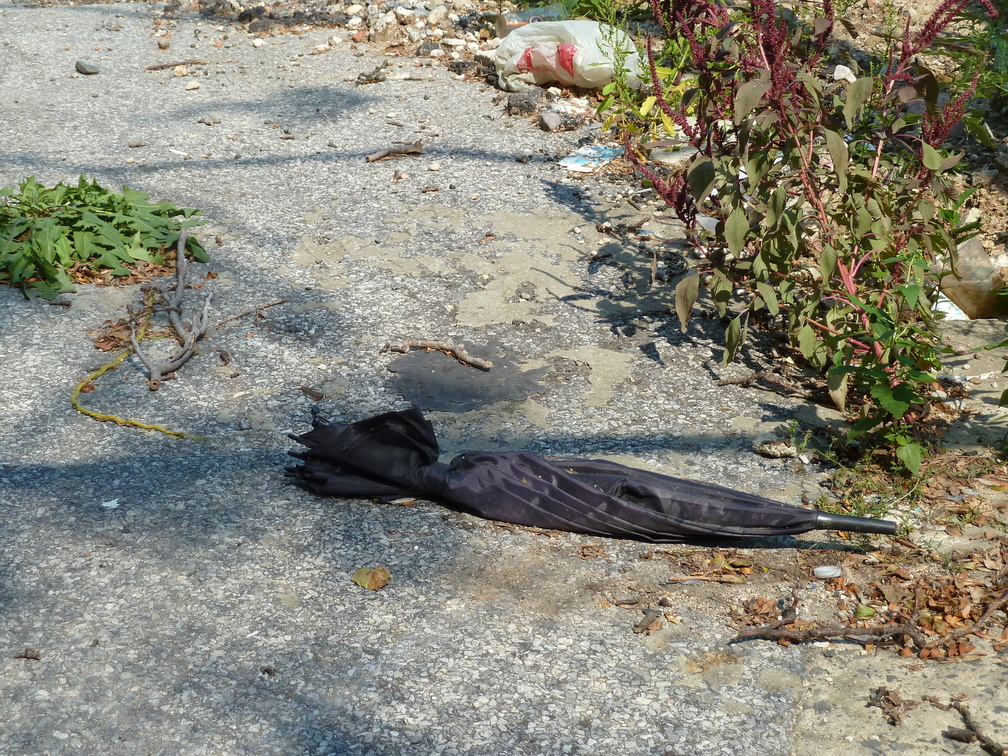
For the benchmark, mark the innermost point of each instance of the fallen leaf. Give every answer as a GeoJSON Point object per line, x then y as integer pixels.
{"type": "Point", "coordinates": [864, 611]}
{"type": "Point", "coordinates": [651, 622]}
{"type": "Point", "coordinates": [372, 578]}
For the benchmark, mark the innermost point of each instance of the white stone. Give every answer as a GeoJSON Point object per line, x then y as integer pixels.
{"type": "Point", "coordinates": [403, 14]}
{"type": "Point", "coordinates": [354, 10]}
{"type": "Point", "coordinates": [843, 72]}
{"type": "Point", "coordinates": [671, 157]}
{"type": "Point", "coordinates": [257, 43]}
{"type": "Point", "coordinates": [437, 14]}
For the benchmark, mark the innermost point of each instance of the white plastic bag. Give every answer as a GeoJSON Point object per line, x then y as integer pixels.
{"type": "Point", "coordinates": [575, 53]}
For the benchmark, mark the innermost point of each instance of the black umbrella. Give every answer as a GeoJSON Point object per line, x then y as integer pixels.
{"type": "Point", "coordinates": [396, 454]}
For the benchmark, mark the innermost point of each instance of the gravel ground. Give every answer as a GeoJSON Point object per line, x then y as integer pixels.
{"type": "Point", "coordinates": [182, 598]}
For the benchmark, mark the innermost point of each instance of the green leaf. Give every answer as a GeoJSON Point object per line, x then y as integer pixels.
{"type": "Point", "coordinates": [736, 229]}
{"type": "Point", "coordinates": [700, 178]}
{"type": "Point", "coordinates": [951, 161]}
{"type": "Point", "coordinates": [769, 297]}
{"type": "Point", "coordinates": [895, 400]}
{"type": "Point", "coordinates": [734, 337]}
{"type": "Point", "coordinates": [840, 156]}
{"type": "Point", "coordinates": [910, 293]}
{"type": "Point", "coordinates": [836, 383]}
{"type": "Point", "coordinates": [862, 426]}
{"type": "Point", "coordinates": [911, 455]}
{"type": "Point", "coordinates": [45, 231]}
{"type": "Point", "coordinates": [668, 124]}
{"type": "Point", "coordinates": [827, 262]}
{"type": "Point", "coordinates": [807, 341]}
{"type": "Point", "coordinates": [863, 611]}
{"type": "Point", "coordinates": [748, 97]}
{"type": "Point", "coordinates": [977, 128]}
{"type": "Point", "coordinates": [720, 291]}
{"type": "Point", "coordinates": [686, 293]}
{"type": "Point", "coordinates": [857, 95]}
{"type": "Point", "coordinates": [931, 157]}
{"type": "Point", "coordinates": [775, 207]}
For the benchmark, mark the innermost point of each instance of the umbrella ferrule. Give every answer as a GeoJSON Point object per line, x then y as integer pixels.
{"type": "Point", "coordinates": [827, 521]}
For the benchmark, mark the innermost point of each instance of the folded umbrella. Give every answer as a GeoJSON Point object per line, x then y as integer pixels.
{"type": "Point", "coordinates": [396, 454]}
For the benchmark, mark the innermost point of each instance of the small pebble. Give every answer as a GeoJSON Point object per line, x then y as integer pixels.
{"type": "Point", "coordinates": [163, 44]}
{"type": "Point", "coordinates": [86, 68]}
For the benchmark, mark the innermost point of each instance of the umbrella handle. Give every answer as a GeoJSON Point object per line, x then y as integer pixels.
{"type": "Point", "coordinates": [827, 521]}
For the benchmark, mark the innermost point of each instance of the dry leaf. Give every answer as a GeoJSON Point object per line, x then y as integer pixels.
{"type": "Point", "coordinates": [372, 578]}
{"type": "Point", "coordinates": [650, 623]}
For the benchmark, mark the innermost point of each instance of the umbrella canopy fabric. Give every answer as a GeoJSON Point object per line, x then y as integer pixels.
{"type": "Point", "coordinates": [396, 454]}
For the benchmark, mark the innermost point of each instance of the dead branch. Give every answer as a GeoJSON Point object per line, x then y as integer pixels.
{"type": "Point", "coordinates": [188, 335]}
{"type": "Point", "coordinates": [831, 632]}
{"type": "Point", "coordinates": [727, 578]}
{"type": "Point", "coordinates": [770, 378]}
{"type": "Point", "coordinates": [250, 310]}
{"type": "Point", "coordinates": [406, 149]}
{"type": "Point", "coordinates": [458, 351]}
{"type": "Point", "coordinates": [191, 62]}
{"type": "Point", "coordinates": [972, 731]}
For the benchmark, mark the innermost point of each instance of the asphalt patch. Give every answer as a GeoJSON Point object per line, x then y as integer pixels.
{"type": "Point", "coordinates": [437, 381]}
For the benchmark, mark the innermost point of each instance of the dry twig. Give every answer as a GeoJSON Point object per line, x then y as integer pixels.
{"type": "Point", "coordinates": [191, 62]}
{"type": "Point", "coordinates": [769, 377]}
{"type": "Point", "coordinates": [458, 351]}
{"type": "Point", "coordinates": [728, 578]}
{"type": "Point", "coordinates": [972, 731]}
{"type": "Point", "coordinates": [414, 148]}
{"type": "Point", "coordinates": [188, 335]}
{"type": "Point", "coordinates": [831, 632]}
{"type": "Point", "coordinates": [250, 310]}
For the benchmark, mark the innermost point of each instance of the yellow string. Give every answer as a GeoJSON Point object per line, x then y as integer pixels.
{"type": "Point", "coordinates": [94, 375]}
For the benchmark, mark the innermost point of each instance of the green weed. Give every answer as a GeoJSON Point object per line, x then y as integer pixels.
{"type": "Point", "coordinates": [46, 233]}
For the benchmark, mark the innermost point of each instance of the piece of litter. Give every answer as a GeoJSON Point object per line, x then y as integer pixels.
{"type": "Point", "coordinates": [590, 158]}
{"type": "Point", "coordinates": [965, 378]}
{"type": "Point", "coordinates": [110, 504]}
{"type": "Point", "coordinates": [949, 309]}
{"type": "Point", "coordinates": [827, 572]}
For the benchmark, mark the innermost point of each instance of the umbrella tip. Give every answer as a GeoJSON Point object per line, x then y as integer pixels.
{"type": "Point", "coordinates": [827, 521]}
